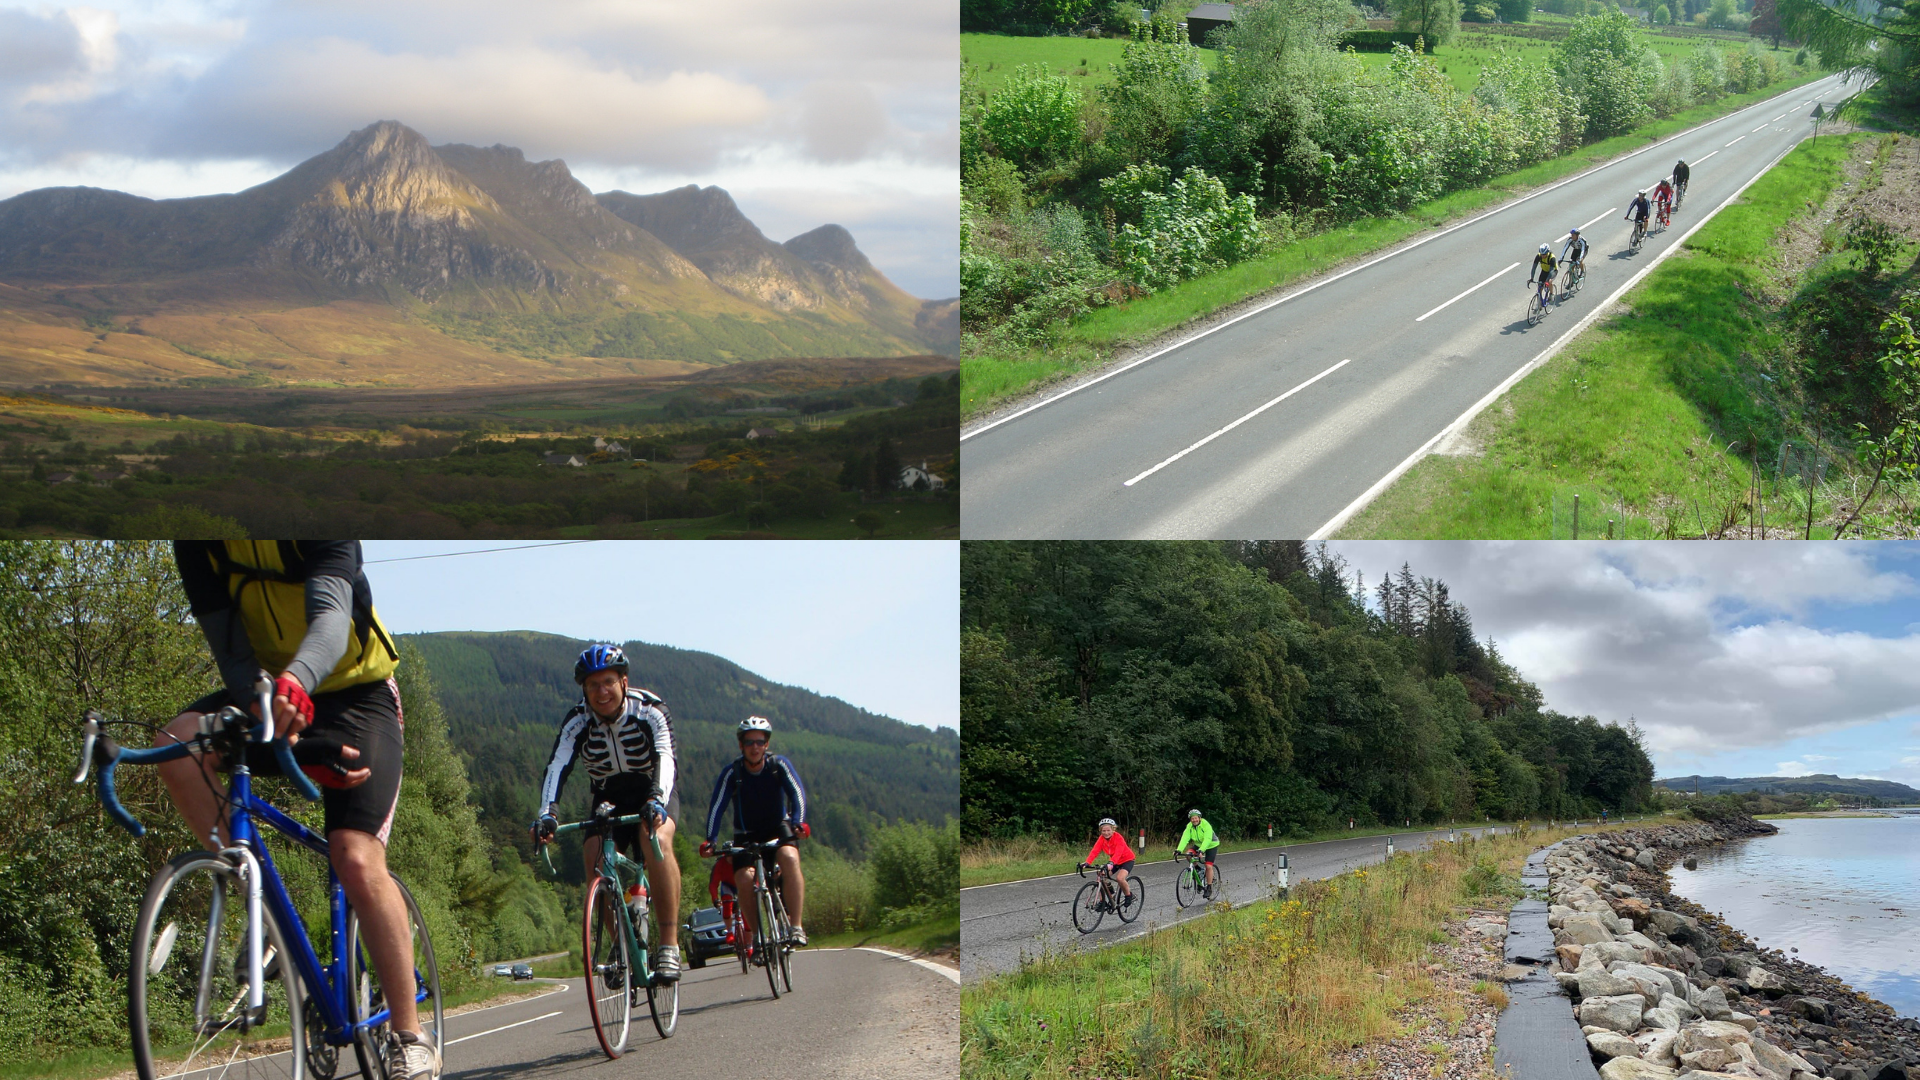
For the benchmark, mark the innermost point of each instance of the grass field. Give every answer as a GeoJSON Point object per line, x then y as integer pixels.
{"type": "Point", "coordinates": [987, 380]}
{"type": "Point", "coordinates": [921, 519]}
{"type": "Point", "coordinates": [1636, 414]}
{"type": "Point", "coordinates": [1275, 988]}
{"type": "Point", "coordinates": [931, 936]}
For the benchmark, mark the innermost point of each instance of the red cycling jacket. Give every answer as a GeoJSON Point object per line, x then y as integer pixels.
{"type": "Point", "coordinates": [1113, 847]}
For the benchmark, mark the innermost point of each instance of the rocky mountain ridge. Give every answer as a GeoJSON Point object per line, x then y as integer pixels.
{"type": "Point", "coordinates": [1666, 991]}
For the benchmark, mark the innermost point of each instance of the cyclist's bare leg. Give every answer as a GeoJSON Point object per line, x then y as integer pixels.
{"type": "Point", "coordinates": [192, 780]}
{"type": "Point", "coordinates": [1121, 877]}
{"type": "Point", "coordinates": [743, 887]}
{"type": "Point", "coordinates": [663, 880]}
{"type": "Point", "coordinates": [360, 859]}
{"type": "Point", "coordinates": [792, 889]}
{"type": "Point", "coordinates": [1209, 875]}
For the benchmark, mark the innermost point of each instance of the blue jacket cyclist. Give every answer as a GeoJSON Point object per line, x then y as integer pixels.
{"type": "Point", "coordinates": [769, 803]}
{"type": "Point", "coordinates": [626, 738]}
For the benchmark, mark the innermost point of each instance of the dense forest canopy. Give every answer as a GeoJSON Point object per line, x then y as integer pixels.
{"type": "Point", "coordinates": [1258, 681]}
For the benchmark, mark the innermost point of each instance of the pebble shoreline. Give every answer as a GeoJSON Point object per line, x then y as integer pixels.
{"type": "Point", "coordinates": [1663, 989]}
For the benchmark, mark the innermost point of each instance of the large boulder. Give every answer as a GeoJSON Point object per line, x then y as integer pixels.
{"type": "Point", "coordinates": [1657, 1046]}
{"type": "Point", "coordinates": [1681, 1008]}
{"type": "Point", "coordinates": [1712, 1059]}
{"type": "Point", "coordinates": [1620, 1012]}
{"type": "Point", "coordinates": [1654, 980]}
{"type": "Point", "coordinates": [1818, 1010]}
{"type": "Point", "coordinates": [1766, 981]}
{"type": "Point", "coordinates": [1645, 860]}
{"type": "Point", "coordinates": [1596, 981]}
{"type": "Point", "coordinates": [1708, 1035]}
{"type": "Point", "coordinates": [1712, 1002]}
{"type": "Point", "coordinates": [1633, 909]}
{"type": "Point", "coordinates": [1680, 928]}
{"type": "Point", "coordinates": [1605, 953]}
{"type": "Point", "coordinates": [1626, 1068]}
{"type": "Point", "coordinates": [1583, 928]}
{"type": "Point", "coordinates": [1557, 914]}
{"type": "Point", "coordinates": [1661, 1019]}
{"type": "Point", "coordinates": [1774, 1059]}
{"type": "Point", "coordinates": [1569, 955]}
{"type": "Point", "coordinates": [1605, 1045]}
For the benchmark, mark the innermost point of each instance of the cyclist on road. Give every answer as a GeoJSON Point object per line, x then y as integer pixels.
{"type": "Point", "coordinates": [1575, 252]}
{"type": "Point", "coordinates": [1638, 209]}
{"type": "Point", "coordinates": [1663, 197]}
{"type": "Point", "coordinates": [302, 612]}
{"type": "Point", "coordinates": [769, 804]}
{"type": "Point", "coordinates": [626, 737]}
{"type": "Point", "coordinates": [1199, 837]}
{"type": "Point", "coordinates": [1543, 265]}
{"type": "Point", "coordinates": [1114, 847]}
{"type": "Point", "coordinates": [1680, 175]}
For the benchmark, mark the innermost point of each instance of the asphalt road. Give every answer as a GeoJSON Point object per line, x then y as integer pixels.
{"type": "Point", "coordinates": [1279, 422]}
{"type": "Point", "coordinates": [1000, 924]}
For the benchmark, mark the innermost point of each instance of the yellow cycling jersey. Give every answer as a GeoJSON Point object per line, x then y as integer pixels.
{"type": "Point", "coordinates": [265, 581]}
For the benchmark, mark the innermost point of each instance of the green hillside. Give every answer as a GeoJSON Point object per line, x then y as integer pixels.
{"type": "Point", "coordinates": [1817, 784]}
{"type": "Point", "coordinates": [505, 694]}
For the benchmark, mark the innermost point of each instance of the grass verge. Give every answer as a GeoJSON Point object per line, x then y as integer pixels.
{"type": "Point", "coordinates": [1637, 414]}
{"type": "Point", "coordinates": [990, 862]}
{"type": "Point", "coordinates": [1275, 988]}
{"type": "Point", "coordinates": [986, 381]}
{"type": "Point", "coordinates": [931, 935]}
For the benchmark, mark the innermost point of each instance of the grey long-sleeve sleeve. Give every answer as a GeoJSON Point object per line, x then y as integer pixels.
{"type": "Point", "coordinates": [329, 621]}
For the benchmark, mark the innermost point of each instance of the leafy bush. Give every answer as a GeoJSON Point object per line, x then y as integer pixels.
{"type": "Point", "coordinates": [1193, 228]}
{"type": "Point", "coordinates": [1602, 65]}
{"type": "Point", "coordinates": [1034, 120]}
{"type": "Point", "coordinates": [915, 864]}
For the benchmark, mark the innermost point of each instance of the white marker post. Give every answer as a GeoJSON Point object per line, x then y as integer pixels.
{"type": "Point", "coordinates": [1280, 873]}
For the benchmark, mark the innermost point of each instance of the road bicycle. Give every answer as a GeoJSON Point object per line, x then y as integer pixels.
{"type": "Point", "coordinates": [1102, 895]}
{"type": "Point", "coordinates": [773, 930]}
{"type": "Point", "coordinates": [1576, 272]}
{"type": "Point", "coordinates": [613, 945]}
{"type": "Point", "coordinates": [1639, 234]}
{"type": "Point", "coordinates": [223, 979]}
{"type": "Point", "coordinates": [1679, 194]}
{"type": "Point", "coordinates": [1190, 885]}
{"type": "Point", "coordinates": [1663, 212]}
{"type": "Point", "coordinates": [1537, 302]}
{"type": "Point", "coordinates": [733, 915]}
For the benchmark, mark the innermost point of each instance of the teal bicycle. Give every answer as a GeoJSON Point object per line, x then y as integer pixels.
{"type": "Point", "coordinates": [614, 945]}
{"type": "Point", "coordinates": [1190, 886]}
{"type": "Point", "coordinates": [223, 981]}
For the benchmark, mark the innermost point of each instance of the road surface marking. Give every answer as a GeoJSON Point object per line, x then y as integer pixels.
{"type": "Point", "coordinates": [521, 1023]}
{"type": "Point", "coordinates": [1601, 216]}
{"type": "Point", "coordinates": [1471, 291]}
{"type": "Point", "coordinates": [1460, 423]}
{"type": "Point", "coordinates": [1401, 250]}
{"type": "Point", "coordinates": [1697, 161]}
{"type": "Point", "coordinates": [1762, 127]}
{"type": "Point", "coordinates": [928, 964]}
{"type": "Point", "coordinates": [1781, 117]}
{"type": "Point", "coordinates": [1736, 140]}
{"type": "Point", "coordinates": [1240, 421]}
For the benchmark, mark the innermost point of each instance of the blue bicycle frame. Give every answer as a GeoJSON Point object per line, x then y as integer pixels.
{"type": "Point", "coordinates": [331, 981]}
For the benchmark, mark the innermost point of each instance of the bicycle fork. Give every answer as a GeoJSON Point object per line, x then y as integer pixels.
{"type": "Point", "coordinates": [256, 1012]}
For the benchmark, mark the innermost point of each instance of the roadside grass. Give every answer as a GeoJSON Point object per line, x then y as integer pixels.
{"type": "Point", "coordinates": [1649, 416]}
{"type": "Point", "coordinates": [987, 380]}
{"type": "Point", "coordinates": [989, 862]}
{"type": "Point", "coordinates": [929, 519]}
{"type": "Point", "coordinates": [1272, 989]}
{"type": "Point", "coordinates": [929, 935]}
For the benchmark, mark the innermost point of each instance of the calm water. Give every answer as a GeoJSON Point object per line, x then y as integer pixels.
{"type": "Point", "coordinates": [1844, 891]}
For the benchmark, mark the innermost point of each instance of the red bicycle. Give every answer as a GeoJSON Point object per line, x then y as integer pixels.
{"type": "Point", "coordinates": [1663, 212]}
{"type": "Point", "coordinates": [736, 924]}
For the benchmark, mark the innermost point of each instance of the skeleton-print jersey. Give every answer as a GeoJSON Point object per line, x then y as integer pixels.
{"type": "Point", "coordinates": [638, 742]}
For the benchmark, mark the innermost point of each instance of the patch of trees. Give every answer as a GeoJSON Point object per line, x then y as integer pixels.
{"type": "Point", "coordinates": [1073, 200]}
{"type": "Point", "coordinates": [1258, 681]}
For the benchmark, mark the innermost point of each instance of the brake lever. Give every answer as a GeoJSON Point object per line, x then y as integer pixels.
{"type": "Point", "coordinates": [91, 729]}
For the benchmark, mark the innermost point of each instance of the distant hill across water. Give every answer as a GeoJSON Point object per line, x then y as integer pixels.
{"type": "Point", "coordinates": [1816, 784]}
{"type": "Point", "coordinates": [505, 693]}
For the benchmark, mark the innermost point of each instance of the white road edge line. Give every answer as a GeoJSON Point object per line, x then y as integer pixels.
{"type": "Point", "coordinates": [928, 964]}
{"type": "Point", "coordinates": [521, 1023]}
{"type": "Point", "coordinates": [1367, 496]}
{"type": "Point", "coordinates": [1736, 140]}
{"type": "Point", "coordinates": [1401, 250]}
{"type": "Point", "coordinates": [1598, 218]}
{"type": "Point", "coordinates": [1249, 416]}
{"type": "Point", "coordinates": [1480, 286]}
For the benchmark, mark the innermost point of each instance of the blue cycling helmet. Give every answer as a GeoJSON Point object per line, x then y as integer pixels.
{"type": "Point", "coordinates": [598, 658]}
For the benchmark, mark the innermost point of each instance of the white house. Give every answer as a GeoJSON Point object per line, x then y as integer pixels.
{"type": "Point", "coordinates": [575, 460]}
{"type": "Point", "coordinates": [762, 433]}
{"type": "Point", "coordinates": [913, 474]}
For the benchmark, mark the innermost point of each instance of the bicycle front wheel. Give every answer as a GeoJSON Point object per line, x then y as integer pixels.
{"type": "Point", "coordinates": [187, 982]}
{"type": "Point", "coordinates": [1087, 909]}
{"type": "Point", "coordinates": [663, 998]}
{"type": "Point", "coordinates": [765, 933]}
{"type": "Point", "coordinates": [741, 939]}
{"type": "Point", "coordinates": [1535, 310]}
{"type": "Point", "coordinates": [783, 951]}
{"type": "Point", "coordinates": [1130, 912]}
{"type": "Point", "coordinates": [608, 963]}
{"type": "Point", "coordinates": [1186, 891]}
{"type": "Point", "coordinates": [367, 998]}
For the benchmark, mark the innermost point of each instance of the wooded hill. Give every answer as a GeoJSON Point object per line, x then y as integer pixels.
{"type": "Point", "coordinates": [505, 694]}
{"type": "Point", "coordinates": [1816, 784]}
{"type": "Point", "coordinates": [1259, 682]}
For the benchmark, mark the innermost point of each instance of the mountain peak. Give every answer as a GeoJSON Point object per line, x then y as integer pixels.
{"type": "Point", "coordinates": [832, 245]}
{"type": "Point", "coordinates": [690, 219]}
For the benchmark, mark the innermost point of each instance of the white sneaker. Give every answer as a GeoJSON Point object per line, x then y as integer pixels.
{"type": "Point", "coordinates": [799, 936]}
{"type": "Point", "coordinates": [411, 1057]}
{"type": "Point", "coordinates": [666, 963]}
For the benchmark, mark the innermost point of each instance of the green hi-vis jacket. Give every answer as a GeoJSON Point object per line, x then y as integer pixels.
{"type": "Point", "coordinates": [1200, 836]}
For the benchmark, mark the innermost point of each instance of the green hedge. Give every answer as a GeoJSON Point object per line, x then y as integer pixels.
{"type": "Point", "coordinates": [1379, 40]}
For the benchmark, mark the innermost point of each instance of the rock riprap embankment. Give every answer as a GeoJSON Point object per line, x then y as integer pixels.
{"type": "Point", "coordinates": [1664, 989]}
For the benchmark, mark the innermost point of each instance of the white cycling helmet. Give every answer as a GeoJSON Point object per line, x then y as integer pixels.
{"type": "Point", "coordinates": [1643, 191]}
{"type": "Point", "coordinates": [756, 723]}
{"type": "Point", "coordinates": [1109, 821]}
{"type": "Point", "coordinates": [1193, 813]}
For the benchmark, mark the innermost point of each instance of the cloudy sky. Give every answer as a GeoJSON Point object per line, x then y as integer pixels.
{"type": "Point", "coordinates": [875, 625]}
{"type": "Point", "coordinates": [1738, 659]}
{"type": "Point", "coordinates": [834, 111]}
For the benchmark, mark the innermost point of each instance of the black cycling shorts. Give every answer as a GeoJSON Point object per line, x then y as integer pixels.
{"type": "Point", "coordinates": [1208, 854]}
{"type": "Point", "coordinates": [743, 859]}
{"type": "Point", "coordinates": [1127, 866]}
{"type": "Point", "coordinates": [366, 717]}
{"type": "Point", "coordinates": [629, 795]}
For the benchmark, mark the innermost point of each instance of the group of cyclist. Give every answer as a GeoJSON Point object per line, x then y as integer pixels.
{"type": "Point", "coordinates": [1198, 839]}
{"type": "Point", "coordinates": [1573, 255]}
{"type": "Point", "coordinates": [302, 613]}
